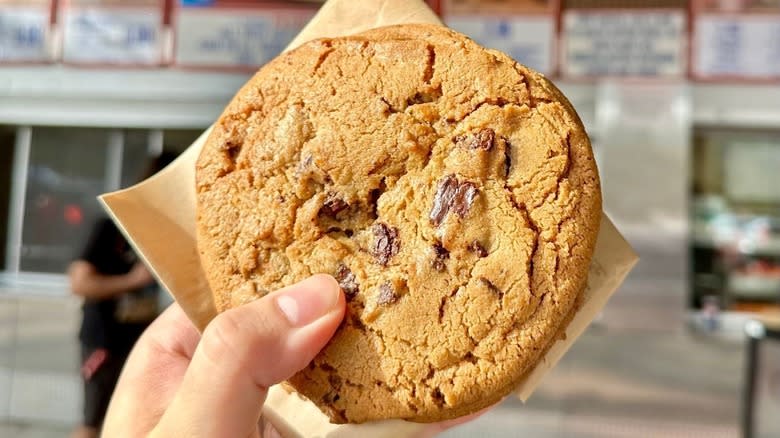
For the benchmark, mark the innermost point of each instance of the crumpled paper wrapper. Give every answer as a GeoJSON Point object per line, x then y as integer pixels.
{"type": "Point", "coordinates": [158, 217]}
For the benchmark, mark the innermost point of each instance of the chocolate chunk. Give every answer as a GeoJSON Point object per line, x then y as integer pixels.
{"type": "Point", "coordinates": [387, 294]}
{"type": "Point", "coordinates": [347, 281]}
{"type": "Point", "coordinates": [331, 397]}
{"type": "Point", "coordinates": [333, 206]}
{"type": "Point", "coordinates": [452, 195]}
{"type": "Point", "coordinates": [373, 198]}
{"type": "Point", "coordinates": [492, 287]}
{"type": "Point", "coordinates": [438, 397]}
{"type": "Point", "coordinates": [442, 201]}
{"type": "Point", "coordinates": [464, 198]}
{"type": "Point", "coordinates": [507, 157]}
{"type": "Point", "coordinates": [334, 380]}
{"type": "Point", "coordinates": [440, 257]}
{"type": "Point", "coordinates": [386, 243]}
{"type": "Point", "coordinates": [482, 139]}
{"type": "Point", "coordinates": [478, 249]}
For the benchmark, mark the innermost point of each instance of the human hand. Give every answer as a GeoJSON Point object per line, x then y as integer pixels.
{"type": "Point", "coordinates": [179, 383]}
{"type": "Point", "coordinates": [140, 276]}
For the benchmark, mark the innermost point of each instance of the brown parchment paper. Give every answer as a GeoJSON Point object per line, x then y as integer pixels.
{"type": "Point", "coordinates": [158, 217]}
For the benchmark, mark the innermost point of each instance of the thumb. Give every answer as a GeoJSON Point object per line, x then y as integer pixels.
{"type": "Point", "coordinates": [245, 350]}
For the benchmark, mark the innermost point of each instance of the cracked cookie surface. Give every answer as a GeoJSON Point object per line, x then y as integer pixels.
{"type": "Point", "coordinates": [451, 192]}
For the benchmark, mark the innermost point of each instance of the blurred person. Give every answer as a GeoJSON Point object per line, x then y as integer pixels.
{"type": "Point", "coordinates": [120, 301]}
{"type": "Point", "coordinates": [179, 383]}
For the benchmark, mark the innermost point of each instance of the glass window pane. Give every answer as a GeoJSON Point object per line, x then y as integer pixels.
{"type": "Point", "coordinates": [750, 173]}
{"type": "Point", "coordinates": [66, 174]}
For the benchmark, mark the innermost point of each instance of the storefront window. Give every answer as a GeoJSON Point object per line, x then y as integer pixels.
{"type": "Point", "coordinates": [736, 220]}
{"type": "Point", "coordinates": [66, 172]}
{"type": "Point", "coordinates": [67, 169]}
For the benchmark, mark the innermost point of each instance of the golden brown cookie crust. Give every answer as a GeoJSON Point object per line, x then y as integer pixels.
{"type": "Point", "coordinates": [451, 191]}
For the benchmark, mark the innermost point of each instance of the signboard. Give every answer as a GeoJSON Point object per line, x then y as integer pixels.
{"type": "Point", "coordinates": [645, 43]}
{"type": "Point", "coordinates": [25, 30]}
{"type": "Point", "coordinates": [234, 34]}
{"type": "Point", "coordinates": [523, 29]}
{"type": "Point", "coordinates": [113, 31]}
{"type": "Point", "coordinates": [736, 40]}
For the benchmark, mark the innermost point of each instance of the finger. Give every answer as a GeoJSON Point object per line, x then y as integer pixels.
{"type": "Point", "coordinates": [266, 429]}
{"type": "Point", "coordinates": [269, 431]}
{"type": "Point", "coordinates": [247, 349]}
{"type": "Point", "coordinates": [172, 333]}
{"type": "Point", "coordinates": [152, 374]}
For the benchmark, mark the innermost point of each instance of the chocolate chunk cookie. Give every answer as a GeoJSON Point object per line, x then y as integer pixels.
{"type": "Point", "coordinates": [451, 192]}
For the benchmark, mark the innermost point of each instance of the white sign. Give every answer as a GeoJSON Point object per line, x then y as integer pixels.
{"type": "Point", "coordinates": [24, 33]}
{"type": "Point", "coordinates": [235, 38]}
{"type": "Point", "coordinates": [530, 40]}
{"type": "Point", "coordinates": [629, 43]}
{"type": "Point", "coordinates": [745, 46]}
{"type": "Point", "coordinates": [113, 36]}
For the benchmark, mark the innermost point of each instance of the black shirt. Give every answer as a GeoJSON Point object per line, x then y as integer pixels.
{"type": "Point", "coordinates": [110, 254]}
